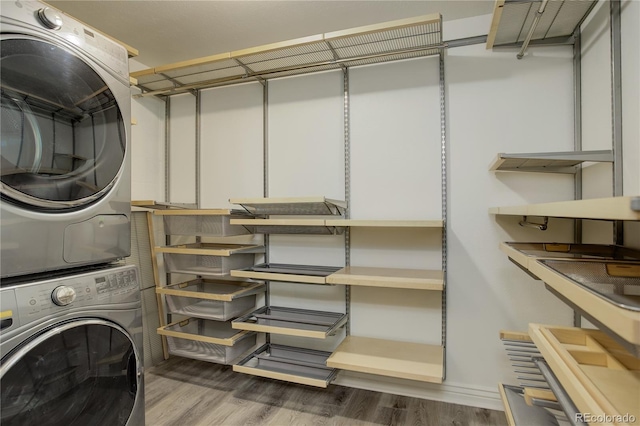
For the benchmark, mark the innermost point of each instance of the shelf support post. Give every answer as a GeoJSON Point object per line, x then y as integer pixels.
{"type": "Point", "coordinates": [167, 149]}
{"type": "Point", "coordinates": [577, 140]}
{"type": "Point", "coordinates": [616, 109]}
{"type": "Point", "coordinates": [347, 191]}
{"type": "Point", "coordinates": [265, 182]}
{"type": "Point", "coordinates": [443, 140]}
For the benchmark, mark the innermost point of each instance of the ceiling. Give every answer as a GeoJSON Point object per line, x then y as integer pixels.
{"type": "Point", "coordinates": [169, 31]}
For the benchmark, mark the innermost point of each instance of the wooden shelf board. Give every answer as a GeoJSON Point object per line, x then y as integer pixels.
{"type": "Point", "coordinates": [270, 276]}
{"type": "Point", "coordinates": [278, 222]}
{"type": "Point", "coordinates": [413, 361]}
{"type": "Point", "coordinates": [199, 212]}
{"type": "Point", "coordinates": [386, 223]}
{"type": "Point", "coordinates": [549, 162]}
{"type": "Point", "coordinates": [211, 249]}
{"type": "Point", "coordinates": [400, 39]}
{"type": "Point", "coordinates": [287, 377]}
{"type": "Point", "coordinates": [244, 288]}
{"type": "Point", "coordinates": [418, 279]}
{"type": "Point", "coordinates": [614, 208]}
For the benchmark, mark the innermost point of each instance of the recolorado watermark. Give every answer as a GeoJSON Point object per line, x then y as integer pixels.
{"type": "Point", "coordinates": [605, 418]}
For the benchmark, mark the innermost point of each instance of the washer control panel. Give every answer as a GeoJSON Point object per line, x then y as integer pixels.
{"type": "Point", "coordinates": [24, 303]}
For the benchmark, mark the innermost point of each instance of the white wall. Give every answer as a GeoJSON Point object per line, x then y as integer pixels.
{"type": "Point", "coordinates": [495, 104]}
{"type": "Point", "coordinates": [147, 146]}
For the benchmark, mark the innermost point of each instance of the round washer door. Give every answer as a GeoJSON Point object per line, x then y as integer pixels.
{"type": "Point", "coordinates": [83, 372]}
{"type": "Point", "coordinates": [63, 136]}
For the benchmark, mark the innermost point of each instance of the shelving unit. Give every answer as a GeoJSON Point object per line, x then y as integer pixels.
{"type": "Point", "coordinates": [391, 358]}
{"type": "Point", "coordinates": [206, 304]}
{"type": "Point", "coordinates": [549, 162]}
{"type": "Point", "coordinates": [598, 374]}
{"type": "Point", "coordinates": [391, 41]}
{"type": "Point", "coordinates": [388, 41]}
{"type": "Point", "coordinates": [274, 361]}
{"type": "Point", "coordinates": [614, 208]}
{"type": "Point", "coordinates": [520, 23]}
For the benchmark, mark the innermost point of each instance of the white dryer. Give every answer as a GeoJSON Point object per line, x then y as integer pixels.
{"type": "Point", "coordinates": [65, 130]}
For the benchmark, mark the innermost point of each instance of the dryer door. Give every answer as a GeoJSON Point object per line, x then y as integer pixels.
{"type": "Point", "coordinates": [84, 372]}
{"type": "Point", "coordinates": [63, 135]}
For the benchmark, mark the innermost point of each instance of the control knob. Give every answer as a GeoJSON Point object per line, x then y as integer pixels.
{"type": "Point", "coordinates": [63, 295]}
{"type": "Point", "coordinates": [50, 18]}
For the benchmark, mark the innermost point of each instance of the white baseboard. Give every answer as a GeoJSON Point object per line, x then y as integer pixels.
{"type": "Point", "coordinates": [449, 392]}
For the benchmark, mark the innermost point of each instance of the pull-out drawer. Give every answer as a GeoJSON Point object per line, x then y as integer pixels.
{"type": "Point", "coordinates": [210, 299]}
{"type": "Point", "coordinates": [292, 322]}
{"type": "Point", "coordinates": [296, 365]}
{"type": "Point", "coordinates": [203, 222]}
{"type": "Point", "coordinates": [308, 274]}
{"type": "Point", "coordinates": [599, 375]}
{"type": "Point", "coordinates": [208, 259]}
{"type": "Point", "coordinates": [205, 340]}
{"type": "Point", "coordinates": [523, 253]}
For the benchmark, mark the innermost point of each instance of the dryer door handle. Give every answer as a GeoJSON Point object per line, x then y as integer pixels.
{"type": "Point", "coordinates": [132, 373]}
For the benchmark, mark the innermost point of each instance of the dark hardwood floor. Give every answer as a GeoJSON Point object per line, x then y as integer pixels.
{"type": "Point", "coordinates": [186, 392]}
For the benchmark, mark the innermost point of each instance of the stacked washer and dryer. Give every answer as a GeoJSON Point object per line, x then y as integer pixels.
{"type": "Point", "coordinates": [71, 317]}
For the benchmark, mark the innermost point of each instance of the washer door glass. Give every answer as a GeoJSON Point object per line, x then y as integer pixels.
{"type": "Point", "coordinates": [63, 136]}
{"type": "Point", "coordinates": [79, 373]}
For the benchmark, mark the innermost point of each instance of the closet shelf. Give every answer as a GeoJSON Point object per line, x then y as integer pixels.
{"type": "Point", "coordinates": [385, 223]}
{"type": "Point", "coordinates": [211, 249]}
{"type": "Point", "coordinates": [211, 299]}
{"type": "Point", "coordinates": [202, 212]}
{"type": "Point", "coordinates": [524, 253]}
{"type": "Point", "coordinates": [598, 374]}
{"type": "Point", "coordinates": [288, 226]}
{"type": "Point", "coordinates": [413, 361]}
{"type": "Point", "coordinates": [292, 322]}
{"type": "Point", "coordinates": [157, 205]}
{"type": "Point", "coordinates": [389, 278]}
{"type": "Point", "coordinates": [402, 39]}
{"type": "Point", "coordinates": [605, 292]}
{"type": "Point", "coordinates": [211, 341]}
{"type": "Point", "coordinates": [614, 208]}
{"type": "Point", "coordinates": [307, 274]}
{"type": "Point", "coordinates": [320, 206]}
{"type": "Point", "coordinates": [548, 162]}
{"type": "Point", "coordinates": [296, 365]}
{"type": "Point", "coordinates": [512, 20]}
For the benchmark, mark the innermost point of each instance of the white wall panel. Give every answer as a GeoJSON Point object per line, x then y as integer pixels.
{"type": "Point", "coordinates": [147, 149]}
{"type": "Point", "coordinates": [182, 149]}
{"type": "Point", "coordinates": [499, 104]}
{"type": "Point", "coordinates": [231, 144]}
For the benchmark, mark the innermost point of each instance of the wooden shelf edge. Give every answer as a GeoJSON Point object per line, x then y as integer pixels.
{"type": "Point", "coordinates": [613, 208]}
{"type": "Point", "coordinates": [259, 328]}
{"type": "Point", "coordinates": [389, 358]}
{"type": "Point", "coordinates": [624, 322]}
{"type": "Point", "coordinates": [364, 223]}
{"type": "Point", "coordinates": [416, 279]}
{"type": "Point", "coordinates": [269, 276]}
{"type": "Point", "coordinates": [280, 376]}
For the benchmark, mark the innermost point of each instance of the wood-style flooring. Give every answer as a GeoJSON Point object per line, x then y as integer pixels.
{"type": "Point", "coordinates": [185, 392]}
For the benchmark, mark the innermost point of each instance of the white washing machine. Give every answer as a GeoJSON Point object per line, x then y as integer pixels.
{"type": "Point", "coordinates": [65, 158]}
{"type": "Point", "coordinates": [72, 350]}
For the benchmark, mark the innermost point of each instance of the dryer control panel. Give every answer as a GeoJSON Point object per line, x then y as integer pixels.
{"type": "Point", "coordinates": [39, 16]}
{"type": "Point", "coordinates": [101, 289]}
